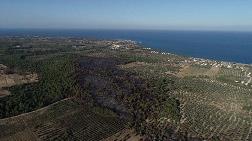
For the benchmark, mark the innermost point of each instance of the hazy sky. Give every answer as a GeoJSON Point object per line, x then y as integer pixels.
{"type": "Point", "coordinates": [127, 14]}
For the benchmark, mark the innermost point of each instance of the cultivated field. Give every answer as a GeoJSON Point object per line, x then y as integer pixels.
{"type": "Point", "coordinates": [64, 120]}
{"type": "Point", "coordinates": [215, 100]}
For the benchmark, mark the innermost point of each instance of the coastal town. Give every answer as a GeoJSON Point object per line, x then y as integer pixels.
{"type": "Point", "coordinates": [244, 69]}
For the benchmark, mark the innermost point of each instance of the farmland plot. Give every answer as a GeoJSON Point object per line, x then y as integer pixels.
{"type": "Point", "coordinates": [64, 120]}
{"type": "Point", "coordinates": [213, 109]}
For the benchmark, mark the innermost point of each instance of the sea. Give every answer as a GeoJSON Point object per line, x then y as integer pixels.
{"type": "Point", "coordinates": [217, 45]}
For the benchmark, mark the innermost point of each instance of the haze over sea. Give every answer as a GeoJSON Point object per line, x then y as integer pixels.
{"type": "Point", "coordinates": [217, 45]}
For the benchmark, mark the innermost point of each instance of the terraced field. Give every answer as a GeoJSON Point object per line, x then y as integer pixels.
{"type": "Point", "coordinates": [64, 120]}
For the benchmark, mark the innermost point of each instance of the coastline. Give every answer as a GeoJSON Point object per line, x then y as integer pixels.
{"type": "Point", "coordinates": [217, 45]}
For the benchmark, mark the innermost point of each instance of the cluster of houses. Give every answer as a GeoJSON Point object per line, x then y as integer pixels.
{"type": "Point", "coordinates": [83, 43]}
{"type": "Point", "coordinates": [247, 75]}
{"type": "Point", "coordinates": [247, 81]}
{"type": "Point", "coordinates": [218, 64]}
{"type": "Point", "coordinates": [122, 44]}
{"type": "Point", "coordinates": [113, 44]}
{"type": "Point", "coordinates": [156, 52]}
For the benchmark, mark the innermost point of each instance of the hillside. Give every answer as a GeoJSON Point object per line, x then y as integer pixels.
{"type": "Point", "coordinates": [63, 120]}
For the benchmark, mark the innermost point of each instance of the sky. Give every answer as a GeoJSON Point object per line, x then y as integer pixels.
{"type": "Point", "coordinates": [127, 14]}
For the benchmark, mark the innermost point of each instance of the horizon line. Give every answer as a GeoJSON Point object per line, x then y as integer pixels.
{"type": "Point", "coordinates": [129, 29]}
